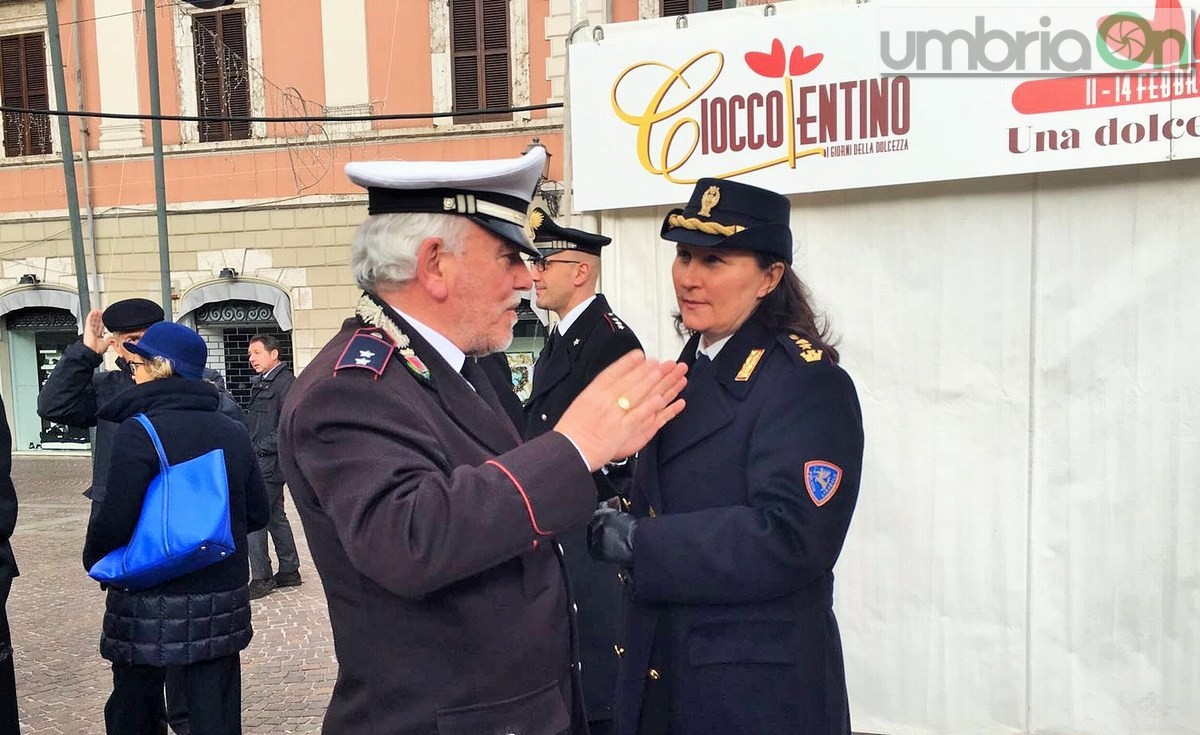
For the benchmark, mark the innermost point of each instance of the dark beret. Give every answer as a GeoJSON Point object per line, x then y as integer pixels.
{"type": "Point", "coordinates": [130, 315]}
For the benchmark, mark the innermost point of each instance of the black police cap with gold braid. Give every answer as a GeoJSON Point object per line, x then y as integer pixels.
{"type": "Point", "coordinates": [549, 237]}
{"type": "Point", "coordinates": [730, 214]}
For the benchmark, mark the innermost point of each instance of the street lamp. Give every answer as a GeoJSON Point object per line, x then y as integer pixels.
{"type": "Point", "coordinates": [550, 191]}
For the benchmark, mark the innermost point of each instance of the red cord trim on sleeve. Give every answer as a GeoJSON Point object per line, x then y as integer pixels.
{"type": "Point", "coordinates": [528, 506]}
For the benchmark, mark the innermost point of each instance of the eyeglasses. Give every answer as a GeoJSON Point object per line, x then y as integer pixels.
{"type": "Point", "coordinates": [542, 264]}
{"type": "Point", "coordinates": [133, 364]}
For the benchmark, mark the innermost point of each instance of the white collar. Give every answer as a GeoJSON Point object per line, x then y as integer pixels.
{"type": "Point", "coordinates": [444, 347]}
{"type": "Point", "coordinates": [573, 315]}
{"type": "Point", "coordinates": [712, 350]}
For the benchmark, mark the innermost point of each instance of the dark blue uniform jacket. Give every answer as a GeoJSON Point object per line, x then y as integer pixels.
{"type": "Point", "coordinates": [745, 500]}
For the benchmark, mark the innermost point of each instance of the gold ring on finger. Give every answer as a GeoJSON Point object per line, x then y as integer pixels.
{"type": "Point", "coordinates": [624, 404]}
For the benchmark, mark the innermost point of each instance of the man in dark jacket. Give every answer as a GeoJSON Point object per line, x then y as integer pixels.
{"type": "Point", "coordinates": [267, 390]}
{"type": "Point", "coordinates": [75, 390]}
{"type": "Point", "coordinates": [431, 525]}
{"type": "Point", "coordinates": [9, 722]}
{"type": "Point", "coordinates": [587, 339]}
{"type": "Point", "coordinates": [76, 393]}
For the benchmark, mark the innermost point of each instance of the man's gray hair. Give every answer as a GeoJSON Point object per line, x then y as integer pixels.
{"type": "Point", "coordinates": [385, 245]}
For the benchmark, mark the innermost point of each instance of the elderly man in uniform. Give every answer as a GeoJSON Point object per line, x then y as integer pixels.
{"type": "Point", "coordinates": [587, 339]}
{"type": "Point", "coordinates": [431, 524]}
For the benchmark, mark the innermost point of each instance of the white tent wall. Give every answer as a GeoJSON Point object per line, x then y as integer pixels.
{"type": "Point", "coordinates": [1024, 558]}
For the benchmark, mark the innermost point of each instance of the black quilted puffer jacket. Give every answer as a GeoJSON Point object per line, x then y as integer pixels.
{"type": "Point", "coordinates": [205, 614]}
{"type": "Point", "coordinates": [149, 629]}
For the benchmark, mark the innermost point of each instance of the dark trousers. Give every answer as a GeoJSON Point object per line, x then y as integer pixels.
{"type": "Point", "coordinates": [281, 533]}
{"type": "Point", "coordinates": [177, 712]}
{"type": "Point", "coordinates": [213, 690]}
{"type": "Point", "coordinates": [9, 722]}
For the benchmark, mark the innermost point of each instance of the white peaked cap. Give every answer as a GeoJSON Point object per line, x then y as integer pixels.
{"type": "Point", "coordinates": [495, 193]}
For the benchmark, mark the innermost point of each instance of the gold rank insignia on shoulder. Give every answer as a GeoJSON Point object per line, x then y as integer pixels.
{"type": "Point", "coordinates": [710, 198]}
{"type": "Point", "coordinates": [749, 365]}
{"type": "Point", "coordinates": [806, 349]}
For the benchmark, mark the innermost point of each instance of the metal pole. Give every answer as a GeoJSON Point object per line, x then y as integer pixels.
{"type": "Point", "coordinates": [160, 184]}
{"type": "Point", "coordinates": [68, 156]}
{"type": "Point", "coordinates": [84, 136]}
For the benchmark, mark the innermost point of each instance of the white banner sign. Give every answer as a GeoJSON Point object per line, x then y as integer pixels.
{"type": "Point", "coordinates": [814, 100]}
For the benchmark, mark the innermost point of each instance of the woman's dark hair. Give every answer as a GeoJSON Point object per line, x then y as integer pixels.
{"type": "Point", "coordinates": [787, 309]}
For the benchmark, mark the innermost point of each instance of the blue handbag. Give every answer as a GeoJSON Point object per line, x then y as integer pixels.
{"type": "Point", "coordinates": [184, 525]}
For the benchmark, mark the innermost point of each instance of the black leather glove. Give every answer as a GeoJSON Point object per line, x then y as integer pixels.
{"type": "Point", "coordinates": [610, 536]}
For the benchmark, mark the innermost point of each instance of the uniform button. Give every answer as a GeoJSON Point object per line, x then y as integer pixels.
{"type": "Point", "coordinates": [574, 608]}
{"type": "Point", "coordinates": [559, 547]}
{"type": "Point", "coordinates": [543, 417]}
{"type": "Point", "coordinates": [620, 651]}
{"type": "Point", "coordinates": [652, 513]}
{"type": "Point", "coordinates": [623, 577]}
{"type": "Point", "coordinates": [654, 675]}
{"type": "Point", "coordinates": [625, 503]}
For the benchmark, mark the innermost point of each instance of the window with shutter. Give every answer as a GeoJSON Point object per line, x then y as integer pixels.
{"type": "Point", "coordinates": [24, 84]}
{"type": "Point", "coordinates": [222, 74]}
{"type": "Point", "coordinates": [479, 38]}
{"type": "Point", "coordinates": [683, 7]}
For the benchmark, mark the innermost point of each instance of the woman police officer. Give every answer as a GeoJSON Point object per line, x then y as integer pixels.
{"type": "Point", "coordinates": [741, 504]}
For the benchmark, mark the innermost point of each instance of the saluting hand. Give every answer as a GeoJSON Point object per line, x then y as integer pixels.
{"type": "Point", "coordinates": [623, 408]}
{"type": "Point", "coordinates": [93, 332]}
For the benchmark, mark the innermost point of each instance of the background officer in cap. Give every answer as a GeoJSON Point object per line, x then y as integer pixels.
{"type": "Point", "coordinates": [431, 524]}
{"type": "Point", "coordinates": [76, 392]}
{"type": "Point", "coordinates": [741, 505]}
{"type": "Point", "coordinates": [587, 339]}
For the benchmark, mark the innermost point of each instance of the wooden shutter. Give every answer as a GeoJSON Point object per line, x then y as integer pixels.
{"type": "Point", "coordinates": [222, 74]}
{"type": "Point", "coordinates": [23, 83]}
{"type": "Point", "coordinates": [479, 37]}
{"type": "Point", "coordinates": [676, 7]}
{"type": "Point", "coordinates": [683, 7]}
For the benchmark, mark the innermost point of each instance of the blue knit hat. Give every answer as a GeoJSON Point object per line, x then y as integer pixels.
{"type": "Point", "coordinates": [183, 348]}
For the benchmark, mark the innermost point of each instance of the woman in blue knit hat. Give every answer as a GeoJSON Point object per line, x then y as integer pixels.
{"type": "Point", "coordinates": [199, 623]}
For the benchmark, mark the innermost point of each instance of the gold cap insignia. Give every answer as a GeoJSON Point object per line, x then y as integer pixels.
{"type": "Point", "coordinates": [749, 365]}
{"type": "Point", "coordinates": [711, 196]}
{"type": "Point", "coordinates": [535, 220]}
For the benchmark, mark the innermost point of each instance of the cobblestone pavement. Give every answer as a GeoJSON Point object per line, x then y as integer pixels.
{"type": "Point", "coordinates": [55, 612]}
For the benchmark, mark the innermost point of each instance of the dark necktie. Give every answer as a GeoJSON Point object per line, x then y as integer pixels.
{"type": "Point", "coordinates": [479, 381]}
{"type": "Point", "coordinates": [701, 370]}
{"type": "Point", "coordinates": [551, 341]}
{"type": "Point", "coordinates": [544, 357]}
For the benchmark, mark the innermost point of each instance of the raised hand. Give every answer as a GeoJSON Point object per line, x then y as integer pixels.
{"type": "Point", "coordinates": [623, 408]}
{"type": "Point", "coordinates": [93, 332]}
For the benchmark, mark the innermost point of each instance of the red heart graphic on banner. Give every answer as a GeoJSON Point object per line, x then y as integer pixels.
{"type": "Point", "coordinates": [768, 65]}
{"type": "Point", "coordinates": [801, 64]}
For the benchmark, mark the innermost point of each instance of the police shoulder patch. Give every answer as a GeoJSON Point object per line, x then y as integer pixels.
{"type": "Point", "coordinates": [369, 349]}
{"type": "Point", "coordinates": [821, 479]}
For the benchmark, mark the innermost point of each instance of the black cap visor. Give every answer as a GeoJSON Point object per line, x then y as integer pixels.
{"type": "Point", "coordinates": [506, 230]}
